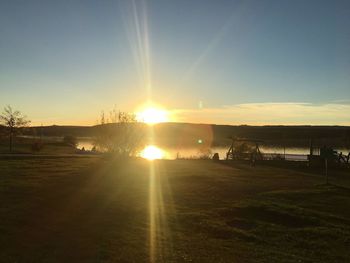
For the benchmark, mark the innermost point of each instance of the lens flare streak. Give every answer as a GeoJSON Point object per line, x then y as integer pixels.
{"type": "Point", "coordinates": [160, 234]}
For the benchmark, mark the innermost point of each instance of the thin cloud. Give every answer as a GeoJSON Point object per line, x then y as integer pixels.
{"type": "Point", "coordinates": [269, 113]}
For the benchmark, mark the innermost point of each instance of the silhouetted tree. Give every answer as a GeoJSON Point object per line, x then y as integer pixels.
{"type": "Point", "coordinates": [113, 116]}
{"type": "Point", "coordinates": [13, 120]}
{"type": "Point", "coordinates": [123, 138]}
{"type": "Point", "coordinates": [103, 117]}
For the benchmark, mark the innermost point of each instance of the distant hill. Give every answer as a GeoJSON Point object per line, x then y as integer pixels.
{"type": "Point", "coordinates": [189, 133]}
{"type": "Point", "coordinates": [55, 130]}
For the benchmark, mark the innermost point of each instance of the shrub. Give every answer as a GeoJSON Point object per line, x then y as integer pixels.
{"type": "Point", "coordinates": [123, 138]}
{"type": "Point", "coordinates": [70, 140]}
{"type": "Point", "coordinates": [37, 146]}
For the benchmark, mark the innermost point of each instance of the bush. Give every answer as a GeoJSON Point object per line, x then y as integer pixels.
{"type": "Point", "coordinates": [278, 157]}
{"type": "Point", "coordinates": [204, 154]}
{"type": "Point", "coordinates": [37, 146]}
{"type": "Point", "coordinates": [70, 141]}
{"type": "Point", "coordinates": [124, 138]}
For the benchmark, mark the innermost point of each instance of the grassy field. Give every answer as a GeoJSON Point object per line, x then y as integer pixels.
{"type": "Point", "coordinates": [105, 210]}
{"type": "Point", "coordinates": [24, 146]}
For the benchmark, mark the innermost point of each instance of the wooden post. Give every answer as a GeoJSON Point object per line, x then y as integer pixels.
{"type": "Point", "coordinates": [311, 147]}
{"type": "Point", "coordinates": [326, 166]}
{"type": "Point", "coordinates": [229, 151]}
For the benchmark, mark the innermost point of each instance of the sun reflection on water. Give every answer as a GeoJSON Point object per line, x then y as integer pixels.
{"type": "Point", "coordinates": [152, 152]}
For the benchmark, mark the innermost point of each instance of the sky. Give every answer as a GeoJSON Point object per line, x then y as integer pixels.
{"type": "Point", "coordinates": [226, 62]}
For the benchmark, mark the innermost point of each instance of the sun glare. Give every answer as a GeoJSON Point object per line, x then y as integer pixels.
{"type": "Point", "coordinates": [151, 153]}
{"type": "Point", "coordinates": [152, 116]}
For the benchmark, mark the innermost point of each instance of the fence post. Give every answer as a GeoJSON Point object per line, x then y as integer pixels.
{"type": "Point", "coordinates": [326, 166]}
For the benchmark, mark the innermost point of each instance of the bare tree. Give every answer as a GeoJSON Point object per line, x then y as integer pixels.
{"type": "Point", "coordinates": [13, 120]}
{"type": "Point", "coordinates": [113, 115]}
{"type": "Point", "coordinates": [123, 138]}
{"type": "Point", "coordinates": [103, 117]}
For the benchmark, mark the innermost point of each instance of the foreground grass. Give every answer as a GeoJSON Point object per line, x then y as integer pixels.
{"type": "Point", "coordinates": [99, 210]}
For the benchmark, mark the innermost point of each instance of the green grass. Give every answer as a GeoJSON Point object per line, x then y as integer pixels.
{"type": "Point", "coordinates": [105, 210]}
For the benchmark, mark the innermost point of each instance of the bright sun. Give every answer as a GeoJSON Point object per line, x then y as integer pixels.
{"type": "Point", "coordinates": [152, 116]}
{"type": "Point", "coordinates": [151, 153]}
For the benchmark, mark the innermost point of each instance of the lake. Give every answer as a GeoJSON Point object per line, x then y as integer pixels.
{"type": "Point", "coordinates": [170, 153]}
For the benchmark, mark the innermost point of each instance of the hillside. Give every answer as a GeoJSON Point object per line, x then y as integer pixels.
{"type": "Point", "coordinates": [189, 133]}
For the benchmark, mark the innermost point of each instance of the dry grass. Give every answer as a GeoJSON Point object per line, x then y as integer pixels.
{"type": "Point", "coordinates": [98, 210]}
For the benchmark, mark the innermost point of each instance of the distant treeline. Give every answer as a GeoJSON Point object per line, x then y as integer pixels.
{"type": "Point", "coordinates": [185, 133]}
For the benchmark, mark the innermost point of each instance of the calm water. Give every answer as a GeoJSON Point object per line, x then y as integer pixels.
{"type": "Point", "coordinates": [293, 153]}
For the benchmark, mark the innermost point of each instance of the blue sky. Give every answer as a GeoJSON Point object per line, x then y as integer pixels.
{"type": "Point", "coordinates": [64, 61]}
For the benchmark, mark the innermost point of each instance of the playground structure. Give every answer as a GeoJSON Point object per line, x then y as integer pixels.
{"type": "Point", "coordinates": [318, 156]}
{"type": "Point", "coordinates": [244, 151]}
{"type": "Point", "coordinates": [249, 150]}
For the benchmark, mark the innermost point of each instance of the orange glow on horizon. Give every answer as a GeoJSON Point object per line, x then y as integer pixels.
{"type": "Point", "coordinates": [152, 115]}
